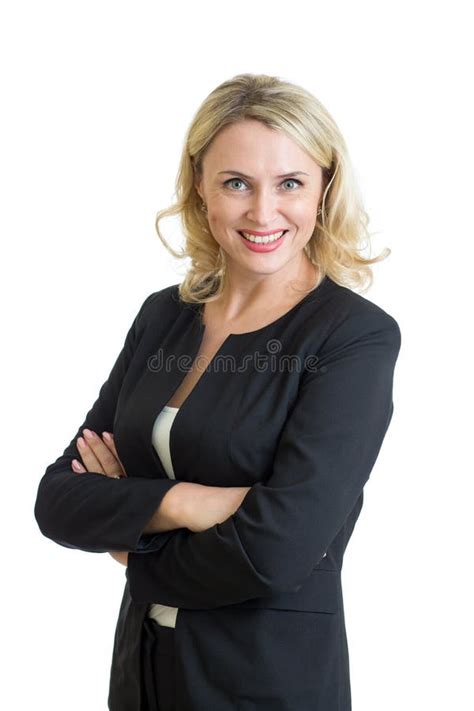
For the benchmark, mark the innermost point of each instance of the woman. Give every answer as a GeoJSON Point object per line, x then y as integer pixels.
{"type": "Point", "coordinates": [240, 423]}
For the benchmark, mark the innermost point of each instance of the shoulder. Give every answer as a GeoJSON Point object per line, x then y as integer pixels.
{"type": "Point", "coordinates": [164, 303]}
{"type": "Point", "coordinates": [349, 305]}
{"type": "Point", "coordinates": [349, 316]}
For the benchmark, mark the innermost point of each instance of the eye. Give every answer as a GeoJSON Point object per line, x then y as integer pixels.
{"type": "Point", "coordinates": [293, 180]}
{"type": "Point", "coordinates": [233, 180]}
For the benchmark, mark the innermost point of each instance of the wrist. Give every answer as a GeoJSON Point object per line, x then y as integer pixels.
{"type": "Point", "coordinates": [168, 515]}
{"type": "Point", "coordinates": [183, 503]}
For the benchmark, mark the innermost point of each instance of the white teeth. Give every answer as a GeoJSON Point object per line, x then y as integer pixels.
{"type": "Point", "coordinates": [262, 240]}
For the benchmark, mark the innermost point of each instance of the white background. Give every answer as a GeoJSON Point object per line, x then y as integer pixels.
{"type": "Point", "coordinates": [96, 98]}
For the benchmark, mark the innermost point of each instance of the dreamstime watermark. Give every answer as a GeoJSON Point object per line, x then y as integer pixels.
{"type": "Point", "coordinates": [272, 361]}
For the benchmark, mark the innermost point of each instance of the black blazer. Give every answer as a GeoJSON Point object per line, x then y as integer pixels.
{"type": "Point", "coordinates": [298, 411]}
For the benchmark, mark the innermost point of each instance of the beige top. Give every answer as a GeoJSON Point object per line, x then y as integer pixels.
{"type": "Point", "coordinates": [163, 614]}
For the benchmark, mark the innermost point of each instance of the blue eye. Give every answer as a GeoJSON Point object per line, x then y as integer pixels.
{"type": "Point", "coordinates": [239, 180]}
{"type": "Point", "coordinates": [233, 180]}
{"type": "Point", "coordinates": [293, 180]}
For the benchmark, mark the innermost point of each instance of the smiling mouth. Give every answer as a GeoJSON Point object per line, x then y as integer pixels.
{"type": "Point", "coordinates": [256, 239]}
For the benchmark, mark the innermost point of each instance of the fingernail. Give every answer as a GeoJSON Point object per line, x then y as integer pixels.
{"type": "Point", "coordinates": [107, 436]}
{"type": "Point", "coordinates": [77, 466]}
{"type": "Point", "coordinates": [80, 442]}
{"type": "Point", "coordinates": [88, 434]}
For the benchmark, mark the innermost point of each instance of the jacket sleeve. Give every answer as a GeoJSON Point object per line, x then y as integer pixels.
{"type": "Point", "coordinates": [90, 511]}
{"type": "Point", "coordinates": [324, 457]}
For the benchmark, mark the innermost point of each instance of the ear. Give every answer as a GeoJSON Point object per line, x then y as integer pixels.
{"type": "Point", "coordinates": [197, 186]}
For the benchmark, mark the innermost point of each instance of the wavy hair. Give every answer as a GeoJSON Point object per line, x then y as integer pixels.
{"type": "Point", "coordinates": [341, 230]}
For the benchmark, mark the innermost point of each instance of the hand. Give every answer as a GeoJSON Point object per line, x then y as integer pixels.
{"type": "Point", "coordinates": [98, 455]}
{"type": "Point", "coordinates": [120, 556]}
{"type": "Point", "coordinates": [207, 505]}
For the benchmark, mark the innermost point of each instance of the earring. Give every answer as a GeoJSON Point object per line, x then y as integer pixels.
{"type": "Point", "coordinates": [319, 211]}
{"type": "Point", "coordinates": [203, 206]}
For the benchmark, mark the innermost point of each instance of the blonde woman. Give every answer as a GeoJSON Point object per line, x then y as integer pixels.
{"type": "Point", "coordinates": [224, 460]}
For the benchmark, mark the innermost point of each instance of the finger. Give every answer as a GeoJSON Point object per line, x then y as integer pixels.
{"type": "Point", "coordinates": [77, 467]}
{"type": "Point", "coordinates": [88, 457]}
{"type": "Point", "coordinates": [110, 442]}
{"type": "Point", "coordinates": [109, 464]}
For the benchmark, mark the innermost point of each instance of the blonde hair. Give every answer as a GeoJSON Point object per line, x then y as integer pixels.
{"type": "Point", "coordinates": [340, 230]}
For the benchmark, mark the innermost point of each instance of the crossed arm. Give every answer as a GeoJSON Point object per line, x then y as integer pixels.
{"type": "Point", "coordinates": [282, 527]}
{"type": "Point", "coordinates": [187, 505]}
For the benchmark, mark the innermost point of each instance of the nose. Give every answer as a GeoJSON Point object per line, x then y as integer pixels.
{"type": "Point", "coordinates": [263, 208]}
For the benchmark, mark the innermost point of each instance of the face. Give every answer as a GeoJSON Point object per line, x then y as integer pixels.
{"type": "Point", "coordinates": [258, 179]}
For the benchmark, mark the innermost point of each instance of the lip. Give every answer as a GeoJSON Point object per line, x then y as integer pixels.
{"type": "Point", "coordinates": [261, 247]}
{"type": "Point", "coordinates": [262, 234]}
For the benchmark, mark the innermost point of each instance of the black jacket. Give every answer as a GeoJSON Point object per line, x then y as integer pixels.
{"type": "Point", "coordinates": [298, 411]}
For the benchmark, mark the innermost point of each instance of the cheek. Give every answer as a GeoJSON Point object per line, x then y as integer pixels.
{"type": "Point", "coordinates": [304, 216]}
{"type": "Point", "coordinates": [222, 215]}
{"type": "Point", "coordinates": [221, 227]}
{"type": "Point", "coordinates": [305, 211]}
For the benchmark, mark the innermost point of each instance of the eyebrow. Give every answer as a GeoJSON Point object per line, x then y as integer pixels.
{"type": "Point", "coordinates": [242, 175]}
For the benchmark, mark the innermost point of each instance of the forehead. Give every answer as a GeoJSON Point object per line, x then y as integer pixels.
{"type": "Point", "coordinates": [253, 148]}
